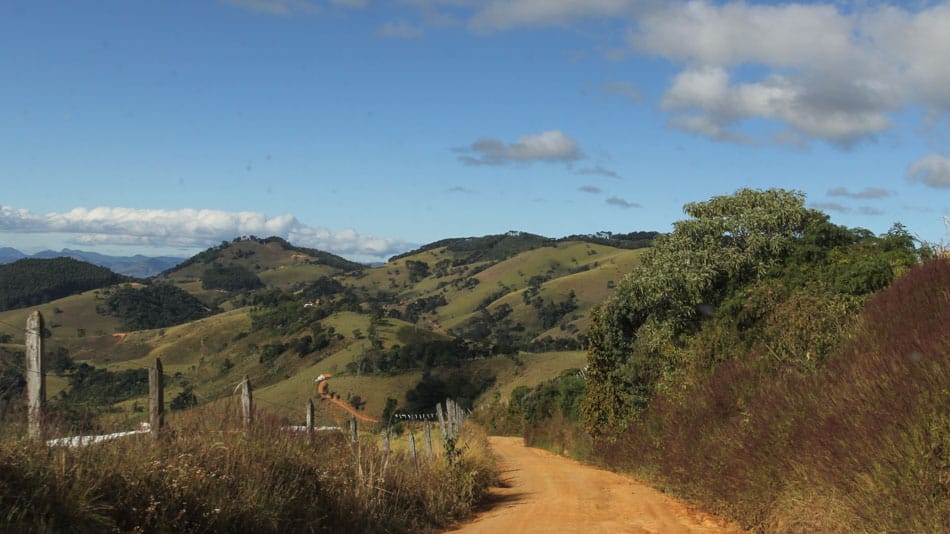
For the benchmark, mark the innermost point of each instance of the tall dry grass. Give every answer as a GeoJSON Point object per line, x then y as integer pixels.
{"type": "Point", "coordinates": [205, 477]}
{"type": "Point", "coordinates": [862, 444]}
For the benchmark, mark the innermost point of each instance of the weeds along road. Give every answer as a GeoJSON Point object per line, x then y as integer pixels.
{"type": "Point", "coordinates": [543, 492]}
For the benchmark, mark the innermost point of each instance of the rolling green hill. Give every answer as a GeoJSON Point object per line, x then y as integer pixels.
{"type": "Point", "coordinates": [452, 318]}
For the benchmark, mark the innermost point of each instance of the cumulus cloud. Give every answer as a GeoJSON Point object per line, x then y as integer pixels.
{"type": "Point", "coordinates": [932, 170]}
{"type": "Point", "coordinates": [188, 228]}
{"type": "Point", "coordinates": [868, 192]}
{"type": "Point", "coordinates": [621, 203]}
{"type": "Point", "coordinates": [822, 73]}
{"type": "Point", "coordinates": [589, 189]}
{"type": "Point", "coordinates": [599, 171]}
{"type": "Point", "coordinates": [549, 146]}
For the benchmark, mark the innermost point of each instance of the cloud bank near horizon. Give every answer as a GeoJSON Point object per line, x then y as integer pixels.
{"type": "Point", "coordinates": [189, 229]}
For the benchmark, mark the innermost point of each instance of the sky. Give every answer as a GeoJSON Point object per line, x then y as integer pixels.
{"type": "Point", "coordinates": [368, 127]}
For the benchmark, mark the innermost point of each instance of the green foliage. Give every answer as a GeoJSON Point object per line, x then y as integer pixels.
{"type": "Point", "coordinates": [860, 442]}
{"type": "Point", "coordinates": [12, 378]}
{"type": "Point", "coordinates": [101, 387]}
{"type": "Point", "coordinates": [58, 360]}
{"type": "Point", "coordinates": [440, 384]}
{"type": "Point", "coordinates": [417, 270]}
{"type": "Point", "coordinates": [29, 282]}
{"type": "Point", "coordinates": [422, 306]}
{"type": "Point", "coordinates": [230, 278]}
{"type": "Point", "coordinates": [420, 349]}
{"type": "Point", "coordinates": [755, 269]}
{"type": "Point", "coordinates": [185, 399]}
{"type": "Point", "coordinates": [155, 306]}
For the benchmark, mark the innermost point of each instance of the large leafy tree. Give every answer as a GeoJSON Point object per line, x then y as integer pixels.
{"type": "Point", "coordinates": [637, 336]}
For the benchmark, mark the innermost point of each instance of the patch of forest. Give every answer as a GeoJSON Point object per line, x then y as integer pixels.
{"type": "Point", "coordinates": [29, 282]}
{"type": "Point", "coordinates": [157, 305]}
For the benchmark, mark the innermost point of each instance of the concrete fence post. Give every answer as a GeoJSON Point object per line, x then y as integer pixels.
{"type": "Point", "coordinates": [35, 374]}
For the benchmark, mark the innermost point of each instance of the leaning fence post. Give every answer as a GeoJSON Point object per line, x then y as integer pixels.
{"type": "Point", "coordinates": [35, 373]}
{"type": "Point", "coordinates": [309, 418]}
{"type": "Point", "coordinates": [156, 399]}
{"type": "Point", "coordinates": [428, 439]}
{"type": "Point", "coordinates": [247, 403]}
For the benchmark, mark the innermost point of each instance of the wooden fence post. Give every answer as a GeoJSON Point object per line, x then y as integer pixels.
{"type": "Point", "coordinates": [385, 437]}
{"type": "Point", "coordinates": [354, 438]}
{"type": "Point", "coordinates": [156, 399]}
{"type": "Point", "coordinates": [247, 403]}
{"type": "Point", "coordinates": [35, 373]}
{"type": "Point", "coordinates": [438, 412]}
{"type": "Point", "coordinates": [412, 447]}
{"type": "Point", "coordinates": [428, 439]}
{"type": "Point", "coordinates": [453, 417]}
{"type": "Point", "coordinates": [309, 418]}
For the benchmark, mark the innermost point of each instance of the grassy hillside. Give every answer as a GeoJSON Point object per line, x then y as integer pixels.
{"type": "Point", "coordinates": [315, 317]}
{"type": "Point", "coordinates": [67, 317]}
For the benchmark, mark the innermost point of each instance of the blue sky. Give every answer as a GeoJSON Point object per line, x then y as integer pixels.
{"type": "Point", "coordinates": [366, 127]}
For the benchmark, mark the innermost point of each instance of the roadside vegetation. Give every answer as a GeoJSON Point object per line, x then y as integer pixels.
{"type": "Point", "coordinates": [206, 477]}
{"type": "Point", "coordinates": [785, 372]}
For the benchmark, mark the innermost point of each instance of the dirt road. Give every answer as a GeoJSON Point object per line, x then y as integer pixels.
{"type": "Point", "coordinates": [547, 493]}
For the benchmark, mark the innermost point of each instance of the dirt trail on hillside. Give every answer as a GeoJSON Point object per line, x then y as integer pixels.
{"type": "Point", "coordinates": [322, 390]}
{"type": "Point", "coordinates": [547, 493]}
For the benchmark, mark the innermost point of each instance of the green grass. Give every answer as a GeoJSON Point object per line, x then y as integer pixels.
{"type": "Point", "coordinates": [76, 311]}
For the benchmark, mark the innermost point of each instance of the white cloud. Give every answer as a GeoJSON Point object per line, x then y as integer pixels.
{"type": "Point", "coordinates": [932, 170]}
{"type": "Point", "coordinates": [549, 146]}
{"type": "Point", "coordinates": [822, 73]}
{"type": "Point", "coordinates": [189, 228]}
{"type": "Point", "coordinates": [868, 192]}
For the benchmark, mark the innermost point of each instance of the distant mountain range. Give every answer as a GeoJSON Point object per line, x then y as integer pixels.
{"type": "Point", "coordinates": [138, 266]}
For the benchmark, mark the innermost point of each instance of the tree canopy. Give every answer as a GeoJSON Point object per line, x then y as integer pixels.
{"type": "Point", "coordinates": [754, 254]}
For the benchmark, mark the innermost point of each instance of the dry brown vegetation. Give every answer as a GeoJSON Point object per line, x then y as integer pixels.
{"type": "Point", "coordinates": [207, 477]}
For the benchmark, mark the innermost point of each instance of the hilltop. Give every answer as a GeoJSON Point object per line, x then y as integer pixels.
{"type": "Point", "coordinates": [137, 266]}
{"type": "Point", "coordinates": [457, 317]}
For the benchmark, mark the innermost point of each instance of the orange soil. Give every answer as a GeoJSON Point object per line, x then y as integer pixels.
{"type": "Point", "coordinates": [322, 388]}
{"type": "Point", "coordinates": [545, 493]}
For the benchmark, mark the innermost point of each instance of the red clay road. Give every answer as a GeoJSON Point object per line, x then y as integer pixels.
{"type": "Point", "coordinates": [547, 493]}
